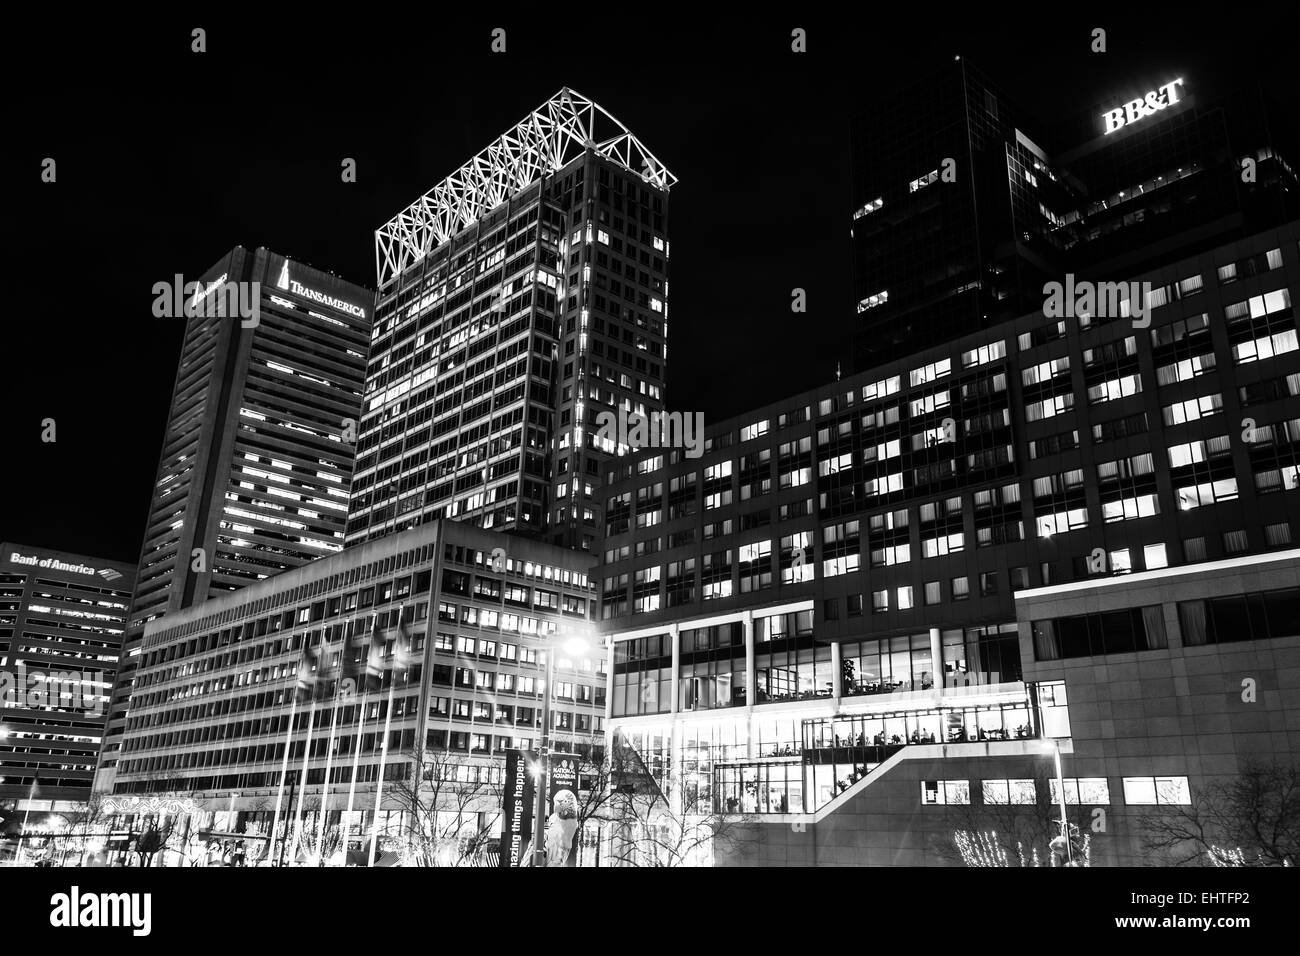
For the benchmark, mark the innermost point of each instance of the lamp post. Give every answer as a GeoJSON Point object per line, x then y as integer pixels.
{"type": "Point", "coordinates": [574, 647]}
{"type": "Point", "coordinates": [1060, 792]}
{"type": "Point", "coordinates": [31, 796]}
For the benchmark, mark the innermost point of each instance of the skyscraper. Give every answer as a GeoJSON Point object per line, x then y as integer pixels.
{"type": "Point", "coordinates": [964, 208]}
{"type": "Point", "coordinates": [934, 216]}
{"type": "Point", "coordinates": [517, 298]}
{"type": "Point", "coordinates": [257, 456]}
{"type": "Point", "coordinates": [61, 623]}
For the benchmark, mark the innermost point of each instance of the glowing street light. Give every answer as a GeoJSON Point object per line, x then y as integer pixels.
{"type": "Point", "coordinates": [1055, 750]}
{"type": "Point", "coordinates": [574, 646]}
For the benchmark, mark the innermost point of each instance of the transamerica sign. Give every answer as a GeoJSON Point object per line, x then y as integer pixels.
{"type": "Point", "coordinates": [1153, 102]}
{"type": "Point", "coordinates": [297, 288]}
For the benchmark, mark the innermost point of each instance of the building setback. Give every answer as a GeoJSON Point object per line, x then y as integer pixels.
{"type": "Point", "coordinates": [215, 682]}
{"type": "Point", "coordinates": [257, 456]}
{"type": "Point", "coordinates": [863, 549]}
{"type": "Point", "coordinates": [517, 299]}
{"type": "Point", "coordinates": [61, 622]}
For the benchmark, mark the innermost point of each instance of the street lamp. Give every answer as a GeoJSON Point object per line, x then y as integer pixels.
{"type": "Point", "coordinates": [1060, 793]}
{"type": "Point", "coordinates": [573, 647]}
{"type": "Point", "coordinates": [31, 798]}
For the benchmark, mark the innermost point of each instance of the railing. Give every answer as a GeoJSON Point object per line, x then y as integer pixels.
{"type": "Point", "coordinates": [838, 751]}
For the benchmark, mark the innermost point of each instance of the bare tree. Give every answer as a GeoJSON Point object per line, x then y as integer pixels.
{"type": "Point", "coordinates": [78, 824]}
{"type": "Point", "coordinates": [1010, 834]}
{"type": "Point", "coordinates": [314, 846]}
{"type": "Point", "coordinates": [449, 805]}
{"type": "Point", "coordinates": [153, 838]}
{"type": "Point", "coordinates": [1251, 819]}
{"type": "Point", "coordinates": [650, 829]}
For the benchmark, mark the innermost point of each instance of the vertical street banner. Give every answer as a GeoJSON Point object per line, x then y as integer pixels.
{"type": "Point", "coordinates": [564, 777]}
{"type": "Point", "coordinates": [517, 807]}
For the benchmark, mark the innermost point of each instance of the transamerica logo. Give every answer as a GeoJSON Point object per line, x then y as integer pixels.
{"type": "Point", "coordinates": [297, 288]}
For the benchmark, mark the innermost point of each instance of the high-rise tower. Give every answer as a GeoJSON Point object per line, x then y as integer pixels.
{"type": "Point", "coordinates": [257, 457]}
{"type": "Point", "coordinates": [519, 297]}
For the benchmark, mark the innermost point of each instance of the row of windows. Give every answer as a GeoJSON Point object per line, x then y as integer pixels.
{"type": "Point", "coordinates": [1087, 791]}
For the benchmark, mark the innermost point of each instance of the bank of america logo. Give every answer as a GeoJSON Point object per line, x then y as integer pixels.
{"type": "Point", "coordinates": [283, 281]}
{"type": "Point", "coordinates": [108, 574]}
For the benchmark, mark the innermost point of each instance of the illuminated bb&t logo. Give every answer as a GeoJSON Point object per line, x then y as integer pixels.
{"type": "Point", "coordinates": [1134, 110]}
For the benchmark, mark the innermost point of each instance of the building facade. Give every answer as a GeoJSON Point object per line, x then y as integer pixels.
{"type": "Point", "coordinates": [863, 551]}
{"type": "Point", "coordinates": [964, 206]}
{"type": "Point", "coordinates": [466, 618]}
{"type": "Point", "coordinates": [1177, 686]}
{"type": "Point", "coordinates": [257, 456]}
{"type": "Point", "coordinates": [62, 618]}
{"type": "Point", "coordinates": [517, 298]}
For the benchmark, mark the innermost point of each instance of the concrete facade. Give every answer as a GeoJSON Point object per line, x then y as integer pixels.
{"type": "Point", "coordinates": [1200, 712]}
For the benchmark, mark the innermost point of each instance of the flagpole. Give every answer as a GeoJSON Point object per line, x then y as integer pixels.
{"type": "Point", "coordinates": [356, 746]}
{"type": "Point", "coordinates": [302, 783]}
{"type": "Point", "coordinates": [284, 771]}
{"type": "Point", "coordinates": [324, 798]}
{"type": "Point", "coordinates": [383, 757]}
{"type": "Point", "coordinates": [356, 761]}
{"type": "Point", "coordinates": [383, 750]}
{"type": "Point", "coordinates": [329, 750]}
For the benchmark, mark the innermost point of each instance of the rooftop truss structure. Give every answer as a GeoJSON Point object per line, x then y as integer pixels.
{"type": "Point", "coordinates": [546, 140]}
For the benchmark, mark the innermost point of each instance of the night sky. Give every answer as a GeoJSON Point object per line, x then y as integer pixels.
{"type": "Point", "coordinates": [167, 159]}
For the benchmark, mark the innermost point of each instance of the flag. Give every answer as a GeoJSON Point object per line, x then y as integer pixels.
{"type": "Point", "coordinates": [401, 646]}
{"type": "Point", "coordinates": [307, 678]}
{"type": "Point", "coordinates": [352, 667]}
{"type": "Point", "coordinates": [375, 657]}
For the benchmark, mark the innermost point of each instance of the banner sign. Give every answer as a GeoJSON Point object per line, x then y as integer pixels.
{"type": "Point", "coordinates": [517, 807]}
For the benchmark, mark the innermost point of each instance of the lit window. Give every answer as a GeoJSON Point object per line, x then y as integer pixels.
{"type": "Point", "coordinates": [1154, 556]}
{"type": "Point", "coordinates": [1162, 791]}
{"type": "Point", "coordinates": [1088, 791]}
{"type": "Point", "coordinates": [945, 792]}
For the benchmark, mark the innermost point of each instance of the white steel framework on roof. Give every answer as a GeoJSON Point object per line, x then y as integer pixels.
{"type": "Point", "coordinates": [546, 140]}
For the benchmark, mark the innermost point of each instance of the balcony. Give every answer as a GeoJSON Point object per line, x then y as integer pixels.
{"type": "Point", "coordinates": [839, 750]}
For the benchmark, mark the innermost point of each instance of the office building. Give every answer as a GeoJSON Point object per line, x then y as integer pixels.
{"type": "Point", "coordinates": [257, 454]}
{"type": "Point", "coordinates": [62, 618]}
{"type": "Point", "coordinates": [467, 618]}
{"type": "Point", "coordinates": [878, 559]}
{"type": "Point", "coordinates": [964, 206]}
{"type": "Point", "coordinates": [517, 298]}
